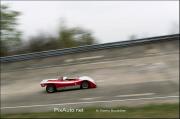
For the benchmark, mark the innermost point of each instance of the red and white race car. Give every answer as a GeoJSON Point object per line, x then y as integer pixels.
{"type": "Point", "coordinates": [64, 83]}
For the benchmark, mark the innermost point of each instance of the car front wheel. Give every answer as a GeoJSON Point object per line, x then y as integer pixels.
{"type": "Point", "coordinates": [50, 88]}
{"type": "Point", "coordinates": [85, 85]}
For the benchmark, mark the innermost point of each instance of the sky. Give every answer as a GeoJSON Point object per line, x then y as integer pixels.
{"type": "Point", "coordinates": [109, 21]}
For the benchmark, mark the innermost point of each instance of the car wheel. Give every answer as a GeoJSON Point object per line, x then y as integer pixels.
{"type": "Point", "coordinates": [85, 85]}
{"type": "Point", "coordinates": [50, 88]}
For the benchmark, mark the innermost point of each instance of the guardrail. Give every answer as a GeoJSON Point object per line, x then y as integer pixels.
{"type": "Point", "coordinates": [85, 48]}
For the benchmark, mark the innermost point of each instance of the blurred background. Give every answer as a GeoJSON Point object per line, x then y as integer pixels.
{"type": "Point", "coordinates": [135, 73]}
{"type": "Point", "coordinates": [32, 26]}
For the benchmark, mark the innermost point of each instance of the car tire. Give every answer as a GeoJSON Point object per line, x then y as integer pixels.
{"type": "Point", "coordinates": [85, 85]}
{"type": "Point", "coordinates": [50, 88]}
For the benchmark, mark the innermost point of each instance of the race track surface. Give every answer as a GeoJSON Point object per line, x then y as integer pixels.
{"type": "Point", "coordinates": [128, 82]}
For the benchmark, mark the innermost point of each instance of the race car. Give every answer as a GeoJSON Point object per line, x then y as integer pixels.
{"type": "Point", "coordinates": [64, 83]}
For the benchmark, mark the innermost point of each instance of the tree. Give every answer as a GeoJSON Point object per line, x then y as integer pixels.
{"type": "Point", "coordinates": [84, 37]}
{"type": "Point", "coordinates": [10, 36]}
{"type": "Point", "coordinates": [3, 50]}
{"type": "Point", "coordinates": [75, 36]}
{"type": "Point", "coordinates": [68, 37]}
{"type": "Point", "coordinates": [42, 42]}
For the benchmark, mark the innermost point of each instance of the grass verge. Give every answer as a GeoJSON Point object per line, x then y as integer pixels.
{"type": "Point", "coordinates": [151, 110]}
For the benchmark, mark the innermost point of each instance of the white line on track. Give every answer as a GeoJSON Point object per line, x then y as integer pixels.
{"type": "Point", "coordinates": [106, 101]}
{"type": "Point", "coordinates": [89, 98]}
{"type": "Point", "coordinates": [130, 95]}
{"type": "Point", "coordinates": [92, 57]}
{"type": "Point", "coordinates": [83, 58]}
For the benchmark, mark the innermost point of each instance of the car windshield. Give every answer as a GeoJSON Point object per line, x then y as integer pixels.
{"type": "Point", "coordinates": [62, 78]}
{"type": "Point", "coordinates": [67, 77]}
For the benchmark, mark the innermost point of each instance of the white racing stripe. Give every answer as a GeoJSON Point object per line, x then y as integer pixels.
{"type": "Point", "coordinates": [64, 82]}
{"type": "Point", "coordinates": [130, 95]}
{"type": "Point", "coordinates": [75, 103]}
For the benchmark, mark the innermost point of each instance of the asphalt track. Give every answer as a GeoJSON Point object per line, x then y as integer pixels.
{"type": "Point", "coordinates": [127, 82]}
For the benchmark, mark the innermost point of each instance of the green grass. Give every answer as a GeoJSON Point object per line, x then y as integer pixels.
{"type": "Point", "coordinates": [151, 110]}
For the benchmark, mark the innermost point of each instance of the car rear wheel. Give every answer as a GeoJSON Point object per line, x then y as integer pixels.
{"type": "Point", "coordinates": [85, 85]}
{"type": "Point", "coordinates": [50, 88]}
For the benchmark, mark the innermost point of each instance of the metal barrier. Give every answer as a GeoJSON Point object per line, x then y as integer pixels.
{"type": "Point", "coordinates": [85, 48]}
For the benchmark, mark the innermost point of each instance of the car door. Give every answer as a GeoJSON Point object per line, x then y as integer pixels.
{"type": "Point", "coordinates": [68, 84]}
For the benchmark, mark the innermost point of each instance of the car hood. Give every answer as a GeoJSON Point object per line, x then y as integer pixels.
{"type": "Point", "coordinates": [87, 78]}
{"type": "Point", "coordinates": [46, 80]}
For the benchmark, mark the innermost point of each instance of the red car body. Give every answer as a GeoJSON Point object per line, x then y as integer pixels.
{"type": "Point", "coordinates": [65, 83]}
